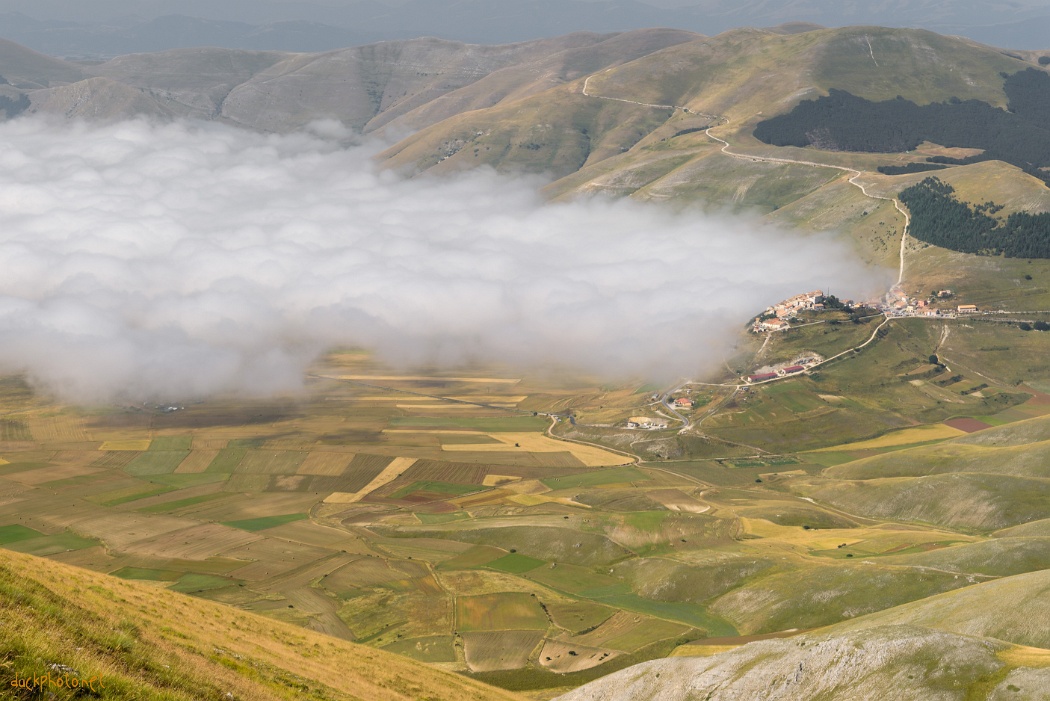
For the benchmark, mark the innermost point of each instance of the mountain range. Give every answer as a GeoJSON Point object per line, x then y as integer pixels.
{"type": "Point", "coordinates": [117, 27]}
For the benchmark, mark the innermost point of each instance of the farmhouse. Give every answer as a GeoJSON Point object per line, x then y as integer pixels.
{"type": "Point", "coordinates": [773, 325]}
{"type": "Point", "coordinates": [684, 403]}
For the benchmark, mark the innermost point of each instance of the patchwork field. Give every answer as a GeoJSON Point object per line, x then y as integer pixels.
{"type": "Point", "coordinates": [481, 540]}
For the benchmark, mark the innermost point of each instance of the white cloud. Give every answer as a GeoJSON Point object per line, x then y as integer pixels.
{"type": "Point", "coordinates": [170, 261]}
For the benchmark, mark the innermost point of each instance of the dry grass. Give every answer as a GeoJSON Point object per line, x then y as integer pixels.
{"type": "Point", "coordinates": [150, 643]}
{"type": "Point", "coordinates": [197, 461]}
{"type": "Point", "coordinates": [135, 444]}
{"type": "Point", "coordinates": [327, 464]}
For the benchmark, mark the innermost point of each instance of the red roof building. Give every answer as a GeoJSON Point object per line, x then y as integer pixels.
{"type": "Point", "coordinates": [760, 378]}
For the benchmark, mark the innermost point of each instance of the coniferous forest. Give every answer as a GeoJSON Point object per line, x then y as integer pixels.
{"type": "Point", "coordinates": [844, 122]}
{"type": "Point", "coordinates": [939, 218]}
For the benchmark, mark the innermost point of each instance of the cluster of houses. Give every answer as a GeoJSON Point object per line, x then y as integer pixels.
{"type": "Point", "coordinates": [897, 303]}
{"type": "Point", "coordinates": [775, 317]}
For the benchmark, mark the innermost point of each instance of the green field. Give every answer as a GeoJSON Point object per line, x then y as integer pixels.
{"type": "Point", "coordinates": [514, 563]}
{"type": "Point", "coordinates": [52, 544]}
{"type": "Point", "coordinates": [192, 583]}
{"type": "Point", "coordinates": [147, 574]}
{"type": "Point", "coordinates": [14, 533]}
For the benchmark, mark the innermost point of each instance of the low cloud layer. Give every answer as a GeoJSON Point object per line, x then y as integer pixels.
{"type": "Point", "coordinates": [166, 262]}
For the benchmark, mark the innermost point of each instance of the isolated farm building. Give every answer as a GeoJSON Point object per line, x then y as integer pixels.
{"type": "Point", "coordinates": [685, 402]}
{"type": "Point", "coordinates": [793, 369]}
{"type": "Point", "coordinates": [645, 422]}
{"type": "Point", "coordinates": [967, 309]}
{"type": "Point", "coordinates": [761, 377]}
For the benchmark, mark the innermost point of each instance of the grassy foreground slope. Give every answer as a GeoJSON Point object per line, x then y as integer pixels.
{"type": "Point", "coordinates": [144, 642]}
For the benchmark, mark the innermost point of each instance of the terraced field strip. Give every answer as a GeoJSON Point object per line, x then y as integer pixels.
{"type": "Point", "coordinates": [424, 378]}
{"type": "Point", "coordinates": [388, 475]}
{"type": "Point", "coordinates": [591, 456]}
{"type": "Point", "coordinates": [134, 445]}
{"type": "Point", "coordinates": [439, 431]}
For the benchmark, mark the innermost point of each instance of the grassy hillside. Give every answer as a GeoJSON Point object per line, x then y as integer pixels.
{"type": "Point", "coordinates": [1012, 609]}
{"type": "Point", "coordinates": [141, 642]}
{"type": "Point", "coordinates": [985, 641]}
{"type": "Point", "coordinates": [892, 661]}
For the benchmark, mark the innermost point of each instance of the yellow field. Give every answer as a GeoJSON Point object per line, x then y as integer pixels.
{"type": "Point", "coordinates": [590, 456]}
{"type": "Point", "coordinates": [389, 474]}
{"type": "Point", "coordinates": [426, 378]}
{"type": "Point", "coordinates": [908, 436]}
{"type": "Point", "coordinates": [494, 480]}
{"type": "Point", "coordinates": [137, 445]}
{"type": "Point", "coordinates": [1024, 656]}
{"type": "Point", "coordinates": [701, 650]}
{"type": "Point", "coordinates": [877, 540]}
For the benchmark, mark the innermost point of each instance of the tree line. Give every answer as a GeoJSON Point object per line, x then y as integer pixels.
{"type": "Point", "coordinates": [940, 218]}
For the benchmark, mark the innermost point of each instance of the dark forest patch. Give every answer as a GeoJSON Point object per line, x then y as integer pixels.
{"type": "Point", "coordinates": [844, 122]}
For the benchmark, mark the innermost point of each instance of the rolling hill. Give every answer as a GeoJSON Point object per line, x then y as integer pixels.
{"type": "Point", "coordinates": [981, 642]}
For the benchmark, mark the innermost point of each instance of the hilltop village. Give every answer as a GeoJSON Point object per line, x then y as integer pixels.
{"type": "Point", "coordinates": [896, 303]}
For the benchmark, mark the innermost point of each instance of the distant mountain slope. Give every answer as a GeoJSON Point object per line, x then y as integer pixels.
{"type": "Point", "coordinates": [28, 70]}
{"type": "Point", "coordinates": [740, 76]}
{"type": "Point", "coordinates": [365, 87]}
{"type": "Point", "coordinates": [121, 26]}
{"type": "Point", "coordinates": [148, 643]}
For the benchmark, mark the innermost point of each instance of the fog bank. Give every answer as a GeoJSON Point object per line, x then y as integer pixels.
{"type": "Point", "coordinates": [175, 261]}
